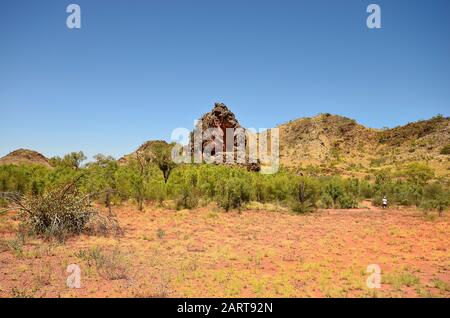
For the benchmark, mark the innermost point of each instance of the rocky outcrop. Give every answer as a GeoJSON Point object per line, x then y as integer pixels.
{"type": "Point", "coordinates": [219, 117]}
{"type": "Point", "coordinates": [222, 118]}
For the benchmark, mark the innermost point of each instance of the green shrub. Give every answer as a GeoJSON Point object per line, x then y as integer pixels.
{"type": "Point", "coordinates": [160, 233]}
{"type": "Point", "coordinates": [435, 198]}
{"type": "Point", "coordinates": [231, 187]}
{"type": "Point", "coordinates": [445, 150]}
{"type": "Point", "coordinates": [233, 193]}
{"type": "Point", "coordinates": [366, 190]}
{"type": "Point", "coordinates": [326, 201]}
{"type": "Point", "coordinates": [347, 201]}
{"type": "Point", "coordinates": [187, 198]}
{"type": "Point", "coordinates": [417, 173]}
{"type": "Point", "coordinates": [23, 179]}
{"type": "Point", "coordinates": [334, 189]}
{"type": "Point", "coordinates": [184, 185]}
{"type": "Point", "coordinates": [16, 246]}
{"type": "Point", "coordinates": [305, 195]}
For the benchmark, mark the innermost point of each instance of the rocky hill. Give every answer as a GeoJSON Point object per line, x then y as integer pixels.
{"type": "Point", "coordinates": [338, 144]}
{"type": "Point", "coordinates": [145, 147]}
{"type": "Point", "coordinates": [23, 157]}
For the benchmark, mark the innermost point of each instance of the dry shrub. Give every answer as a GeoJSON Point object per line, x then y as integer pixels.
{"type": "Point", "coordinates": [111, 265]}
{"type": "Point", "coordinates": [4, 246]}
{"type": "Point", "coordinates": [60, 212]}
{"type": "Point", "coordinates": [101, 225]}
{"type": "Point", "coordinates": [43, 276]}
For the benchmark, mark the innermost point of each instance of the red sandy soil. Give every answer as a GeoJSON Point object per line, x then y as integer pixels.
{"type": "Point", "coordinates": [210, 253]}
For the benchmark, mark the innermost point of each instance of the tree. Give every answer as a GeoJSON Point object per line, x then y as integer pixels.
{"type": "Point", "coordinates": [435, 197]}
{"type": "Point", "coordinates": [187, 190]}
{"type": "Point", "coordinates": [141, 164]}
{"type": "Point", "coordinates": [233, 192]}
{"type": "Point", "coordinates": [72, 160]}
{"type": "Point", "coordinates": [104, 169]}
{"type": "Point", "coordinates": [334, 189]}
{"type": "Point", "coordinates": [163, 159]}
{"type": "Point", "coordinates": [305, 194]}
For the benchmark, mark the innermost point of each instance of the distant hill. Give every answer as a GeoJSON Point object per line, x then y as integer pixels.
{"type": "Point", "coordinates": [146, 147]}
{"type": "Point", "coordinates": [25, 157]}
{"type": "Point", "coordinates": [339, 144]}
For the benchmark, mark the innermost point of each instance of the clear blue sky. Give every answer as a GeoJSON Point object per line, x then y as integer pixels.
{"type": "Point", "coordinates": [138, 69]}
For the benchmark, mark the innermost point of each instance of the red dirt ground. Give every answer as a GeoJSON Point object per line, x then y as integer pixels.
{"type": "Point", "coordinates": [209, 253]}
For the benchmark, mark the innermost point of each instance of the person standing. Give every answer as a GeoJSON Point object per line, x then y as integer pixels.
{"type": "Point", "coordinates": [384, 202]}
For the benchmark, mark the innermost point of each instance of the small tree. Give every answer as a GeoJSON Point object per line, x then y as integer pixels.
{"type": "Point", "coordinates": [163, 159]}
{"type": "Point", "coordinates": [305, 195]}
{"type": "Point", "coordinates": [72, 160]}
{"type": "Point", "coordinates": [334, 189]}
{"type": "Point", "coordinates": [187, 191]}
{"type": "Point", "coordinates": [435, 197]}
{"type": "Point", "coordinates": [233, 193]}
{"type": "Point", "coordinates": [104, 179]}
{"type": "Point", "coordinates": [141, 166]}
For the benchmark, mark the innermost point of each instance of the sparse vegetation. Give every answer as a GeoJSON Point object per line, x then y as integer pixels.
{"type": "Point", "coordinates": [160, 233]}
{"type": "Point", "coordinates": [230, 187]}
{"type": "Point", "coordinates": [111, 265]}
{"type": "Point", "coordinates": [445, 150]}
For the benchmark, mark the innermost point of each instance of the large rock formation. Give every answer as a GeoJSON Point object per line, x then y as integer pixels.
{"type": "Point", "coordinates": [222, 118]}
{"type": "Point", "coordinates": [219, 117]}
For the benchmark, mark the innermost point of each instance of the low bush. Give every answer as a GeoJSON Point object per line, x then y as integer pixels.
{"type": "Point", "coordinates": [112, 265]}
{"type": "Point", "coordinates": [233, 193]}
{"type": "Point", "coordinates": [333, 190]}
{"type": "Point", "coordinates": [435, 197]}
{"type": "Point", "coordinates": [347, 201]}
{"type": "Point", "coordinates": [186, 190]}
{"type": "Point", "coordinates": [59, 212]}
{"type": "Point", "coordinates": [304, 195]}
